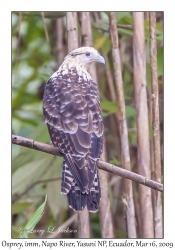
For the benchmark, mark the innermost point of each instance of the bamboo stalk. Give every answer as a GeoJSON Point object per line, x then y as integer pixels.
{"type": "Point", "coordinates": [18, 48]}
{"type": "Point", "coordinates": [113, 118]}
{"type": "Point", "coordinates": [113, 121]}
{"type": "Point", "coordinates": [156, 129]}
{"type": "Point", "coordinates": [151, 151]}
{"type": "Point", "coordinates": [142, 123]}
{"type": "Point", "coordinates": [72, 31]}
{"type": "Point", "coordinates": [133, 154]}
{"type": "Point", "coordinates": [60, 35]}
{"type": "Point", "coordinates": [29, 143]}
{"type": "Point", "coordinates": [105, 213]}
{"type": "Point", "coordinates": [45, 27]}
{"type": "Point", "coordinates": [109, 78]}
{"type": "Point", "coordinates": [104, 209]}
{"type": "Point", "coordinates": [114, 126]}
{"type": "Point", "coordinates": [83, 224]}
{"type": "Point", "coordinates": [83, 217]}
{"type": "Point", "coordinates": [137, 209]}
{"type": "Point", "coordinates": [130, 211]}
{"type": "Point", "coordinates": [96, 15]}
{"type": "Point", "coordinates": [87, 40]}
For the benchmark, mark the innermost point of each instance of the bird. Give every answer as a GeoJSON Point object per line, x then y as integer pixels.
{"type": "Point", "coordinates": [72, 112]}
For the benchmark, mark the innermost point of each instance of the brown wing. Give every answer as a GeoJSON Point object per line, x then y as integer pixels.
{"type": "Point", "coordinates": [72, 113]}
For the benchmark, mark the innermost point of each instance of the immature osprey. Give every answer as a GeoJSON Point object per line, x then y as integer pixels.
{"type": "Point", "coordinates": [71, 108]}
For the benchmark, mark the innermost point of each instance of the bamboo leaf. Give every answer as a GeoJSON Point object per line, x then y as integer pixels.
{"type": "Point", "coordinates": [122, 16]}
{"type": "Point", "coordinates": [33, 220]}
{"type": "Point", "coordinates": [99, 42]}
{"type": "Point", "coordinates": [125, 31]}
{"type": "Point", "coordinates": [109, 106]}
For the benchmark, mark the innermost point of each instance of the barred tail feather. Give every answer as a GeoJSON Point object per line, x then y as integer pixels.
{"type": "Point", "coordinates": [78, 200]}
{"type": "Point", "coordinates": [67, 179]}
{"type": "Point", "coordinates": [79, 195]}
{"type": "Point", "coordinates": [94, 195]}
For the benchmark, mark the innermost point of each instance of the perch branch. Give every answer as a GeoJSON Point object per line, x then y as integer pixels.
{"type": "Point", "coordinates": [29, 143]}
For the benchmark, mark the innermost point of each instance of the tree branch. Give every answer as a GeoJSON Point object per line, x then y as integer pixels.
{"type": "Point", "coordinates": [29, 143]}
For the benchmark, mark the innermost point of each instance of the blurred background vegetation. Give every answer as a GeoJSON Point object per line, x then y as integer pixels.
{"type": "Point", "coordinates": [36, 55]}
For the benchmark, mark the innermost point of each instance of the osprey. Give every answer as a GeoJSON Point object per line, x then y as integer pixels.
{"type": "Point", "coordinates": [72, 112]}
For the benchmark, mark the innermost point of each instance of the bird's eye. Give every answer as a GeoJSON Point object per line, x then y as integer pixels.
{"type": "Point", "coordinates": [88, 53]}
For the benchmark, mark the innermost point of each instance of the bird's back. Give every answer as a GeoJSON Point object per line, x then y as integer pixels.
{"type": "Point", "coordinates": [72, 112]}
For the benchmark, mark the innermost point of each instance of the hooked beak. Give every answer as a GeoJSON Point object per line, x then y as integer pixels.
{"type": "Point", "coordinates": [99, 59]}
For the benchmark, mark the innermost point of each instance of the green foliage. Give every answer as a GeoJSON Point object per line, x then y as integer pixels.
{"type": "Point", "coordinates": [19, 207]}
{"type": "Point", "coordinates": [32, 63]}
{"type": "Point", "coordinates": [130, 111]}
{"type": "Point", "coordinates": [56, 200]}
{"type": "Point", "coordinates": [33, 220]}
{"type": "Point", "coordinates": [124, 17]}
{"type": "Point", "coordinates": [160, 61]}
{"type": "Point", "coordinates": [121, 234]}
{"type": "Point", "coordinates": [94, 220]}
{"type": "Point", "coordinates": [34, 59]}
{"type": "Point", "coordinates": [110, 107]}
{"type": "Point", "coordinates": [101, 41]}
{"type": "Point", "coordinates": [48, 14]}
{"type": "Point", "coordinates": [24, 175]}
{"type": "Point", "coordinates": [115, 162]}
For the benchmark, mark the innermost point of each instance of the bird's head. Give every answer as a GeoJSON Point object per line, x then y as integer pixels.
{"type": "Point", "coordinates": [83, 57]}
